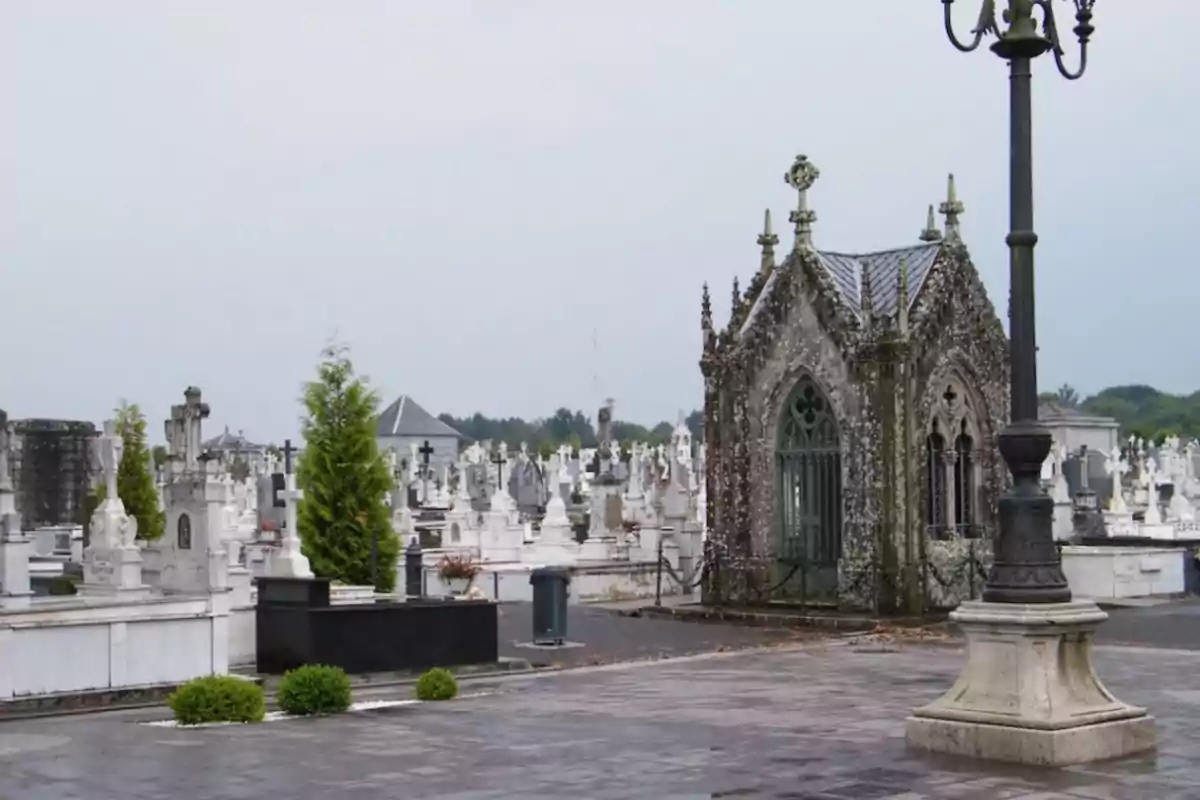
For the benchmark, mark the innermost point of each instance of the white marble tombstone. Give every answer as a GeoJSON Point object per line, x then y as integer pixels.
{"type": "Point", "coordinates": [112, 561]}
{"type": "Point", "coordinates": [290, 562]}
{"type": "Point", "coordinates": [1116, 468]}
{"type": "Point", "coordinates": [191, 554]}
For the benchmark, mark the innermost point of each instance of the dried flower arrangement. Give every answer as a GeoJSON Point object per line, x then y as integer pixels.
{"type": "Point", "coordinates": [460, 567]}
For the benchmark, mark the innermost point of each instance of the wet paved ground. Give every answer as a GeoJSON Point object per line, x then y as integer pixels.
{"type": "Point", "coordinates": [607, 637]}
{"type": "Point", "coordinates": [819, 723]}
{"type": "Point", "coordinates": [1172, 625]}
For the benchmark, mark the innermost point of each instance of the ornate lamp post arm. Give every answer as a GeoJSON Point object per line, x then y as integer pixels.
{"type": "Point", "coordinates": [1083, 32]}
{"type": "Point", "coordinates": [985, 25]}
{"type": "Point", "coordinates": [1026, 568]}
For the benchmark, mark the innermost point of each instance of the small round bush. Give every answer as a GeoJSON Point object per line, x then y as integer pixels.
{"type": "Point", "coordinates": [314, 689]}
{"type": "Point", "coordinates": [437, 684]}
{"type": "Point", "coordinates": [217, 698]}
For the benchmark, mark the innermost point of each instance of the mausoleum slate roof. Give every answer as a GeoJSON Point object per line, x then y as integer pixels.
{"type": "Point", "coordinates": [227, 441]}
{"type": "Point", "coordinates": [405, 417]}
{"type": "Point", "coordinates": [883, 268]}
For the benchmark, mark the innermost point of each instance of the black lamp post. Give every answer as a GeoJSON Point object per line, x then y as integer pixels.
{"type": "Point", "coordinates": [1027, 567]}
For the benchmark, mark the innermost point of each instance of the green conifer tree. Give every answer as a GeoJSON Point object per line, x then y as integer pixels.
{"type": "Point", "coordinates": [344, 479]}
{"type": "Point", "coordinates": [135, 479]}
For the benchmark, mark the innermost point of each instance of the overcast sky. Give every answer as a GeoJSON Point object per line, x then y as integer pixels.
{"type": "Point", "coordinates": [507, 206]}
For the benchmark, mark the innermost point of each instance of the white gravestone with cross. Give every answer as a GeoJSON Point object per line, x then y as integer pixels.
{"type": "Point", "coordinates": [112, 562]}
{"type": "Point", "coordinates": [426, 471]}
{"type": "Point", "coordinates": [501, 500]}
{"type": "Point", "coordinates": [191, 554]}
{"type": "Point", "coordinates": [637, 453]}
{"type": "Point", "coordinates": [290, 561]}
{"type": "Point", "coordinates": [556, 508]}
{"type": "Point", "coordinates": [1116, 468]}
{"type": "Point", "coordinates": [1150, 470]}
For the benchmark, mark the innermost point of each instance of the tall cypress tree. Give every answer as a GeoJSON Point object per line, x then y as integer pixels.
{"type": "Point", "coordinates": [135, 478]}
{"type": "Point", "coordinates": [344, 479]}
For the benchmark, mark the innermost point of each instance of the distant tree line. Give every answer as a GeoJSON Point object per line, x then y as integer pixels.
{"type": "Point", "coordinates": [564, 426]}
{"type": "Point", "coordinates": [1141, 410]}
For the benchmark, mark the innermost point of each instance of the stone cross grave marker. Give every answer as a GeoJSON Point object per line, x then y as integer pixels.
{"type": "Point", "coordinates": [426, 450]}
{"type": "Point", "coordinates": [109, 449]}
{"type": "Point", "coordinates": [527, 484]}
{"type": "Point", "coordinates": [1116, 467]}
{"type": "Point", "coordinates": [500, 459]}
{"type": "Point", "coordinates": [1153, 516]}
{"type": "Point", "coordinates": [290, 561]}
{"type": "Point", "coordinates": [183, 430]}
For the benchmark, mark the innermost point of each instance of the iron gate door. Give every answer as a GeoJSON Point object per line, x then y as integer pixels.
{"type": "Point", "coordinates": [809, 495]}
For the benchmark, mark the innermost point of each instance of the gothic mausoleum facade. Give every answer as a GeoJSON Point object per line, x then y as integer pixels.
{"type": "Point", "coordinates": [852, 407]}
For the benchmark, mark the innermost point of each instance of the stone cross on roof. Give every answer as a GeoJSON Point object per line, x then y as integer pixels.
{"type": "Point", "coordinates": [951, 209]}
{"type": "Point", "coordinates": [802, 175]}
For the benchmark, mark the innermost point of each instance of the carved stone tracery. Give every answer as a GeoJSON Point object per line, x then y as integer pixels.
{"type": "Point", "coordinates": [955, 473]}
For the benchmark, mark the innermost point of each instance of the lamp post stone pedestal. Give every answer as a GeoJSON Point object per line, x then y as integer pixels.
{"type": "Point", "coordinates": [1029, 693]}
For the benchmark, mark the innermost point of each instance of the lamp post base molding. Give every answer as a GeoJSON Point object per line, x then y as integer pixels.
{"type": "Point", "coordinates": [1029, 693]}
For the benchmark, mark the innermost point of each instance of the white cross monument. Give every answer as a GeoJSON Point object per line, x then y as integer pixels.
{"type": "Point", "coordinates": [1116, 467]}
{"type": "Point", "coordinates": [289, 561]}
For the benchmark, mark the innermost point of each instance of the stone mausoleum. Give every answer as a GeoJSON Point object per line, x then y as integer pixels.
{"type": "Point", "coordinates": [852, 407]}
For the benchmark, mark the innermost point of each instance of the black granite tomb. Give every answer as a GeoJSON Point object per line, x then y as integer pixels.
{"type": "Point", "coordinates": [297, 625]}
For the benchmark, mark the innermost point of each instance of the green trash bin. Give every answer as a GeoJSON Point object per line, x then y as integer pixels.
{"type": "Point", "coordinates": [550, 587]}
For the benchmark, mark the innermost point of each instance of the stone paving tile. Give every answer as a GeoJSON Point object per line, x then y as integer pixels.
{"type": "Point", "coordinates": [1174, 625]}
{"type": "Point", "coordinates": [820, 723]}
{"type": "Point", "coordinates": [607, 637]}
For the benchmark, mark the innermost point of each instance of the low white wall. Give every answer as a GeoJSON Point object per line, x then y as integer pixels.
{"type": "Point", "coordinates": [508, 583]}
{"type": "Point", "coordinates": [75, 645]}
{"type": "Point", "coordinates": [242, 631]}
{"type": "Point", "coordinates": [1100, 573]}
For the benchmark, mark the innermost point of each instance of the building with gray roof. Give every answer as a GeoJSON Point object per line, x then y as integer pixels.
{"type": "Point", "coordinates": [405, 424]}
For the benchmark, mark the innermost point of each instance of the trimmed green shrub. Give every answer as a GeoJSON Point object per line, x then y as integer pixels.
{"type": "Point", "coordinates": [314, 689]}
{"type": "Point", "coordinates": [217, 698]}
{"type": "Point", "coordinates": [437, 684]}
